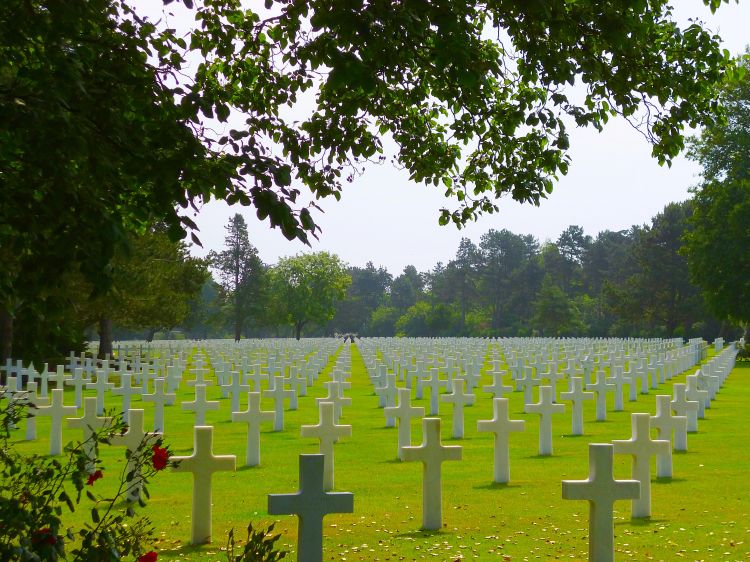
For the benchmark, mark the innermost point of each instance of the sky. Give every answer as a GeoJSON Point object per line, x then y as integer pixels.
{"type": "Point", "coordinates": [613, 183]}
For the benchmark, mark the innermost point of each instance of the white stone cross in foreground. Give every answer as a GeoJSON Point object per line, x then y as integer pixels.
{"type": "Point", "coordinates": [57, 410]}
{"type": "Point", "coordinates": [601, 490]}
{"type": "Point", "coordinates": [101, 385]}
{"type": "Point", "coordinates": [278, 394]}
{"type": "Point", "coordinates": [459, 398]}
{"type": "Point", "coordinates": [501, 426]}
{"type": "Point", "coordinates": [665, 423]}
{"type": "Point", "coordinates": [431, 453]}
{"type": "Point", "coordinates": [404, 412]}
{"type": "Point", "coordinates": [311, 503]}
{"type": "Point", "coordinates": [131, 439]}
{"type": "Point", "coordinates": [126, 390]}
{"type": "Point", "coordinates": [203, 463]}
{"type": "Point", "coordinates": [328, 432]}
{"type": "Point", "coordinates": [641, 447]}
{"type": "Point", "coordinates": [159, 397]}
{"type": "Point", "coordinates": [200, 405]}
{"type": "Point", "coordinates": [577, 396]}
{"type": "Point", "coordinates": [545, 408]}
{"type": "Point", "coordinates": [253, 417]}
{"type": "Point", "coordinates": [90, 423]}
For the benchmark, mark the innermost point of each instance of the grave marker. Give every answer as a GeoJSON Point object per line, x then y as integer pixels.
{"type": "Point", "coordinates": [431, 453]}
{"type": "Point", "coordinates": [601, 490]}
{"type": "Point", "coordinates": [501, 427]}
{"type": "Point", "coordinates": [545, 408]}
{"type": "Point", "coordinates": [310, 504]}
{"type": "Point", "coordinates": [202, 464]}
{"type": "Point", "coordinates": [404, 412]}
{"type": "Point", "coordinates": [253, 417]}
{"type": "Point", "coordinates": [641, 448]}
{"type": "Point", "coordinates": [327, 431]}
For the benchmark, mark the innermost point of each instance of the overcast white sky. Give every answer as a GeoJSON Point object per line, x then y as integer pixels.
{"type": "Point", "coordinates": [613, 183]}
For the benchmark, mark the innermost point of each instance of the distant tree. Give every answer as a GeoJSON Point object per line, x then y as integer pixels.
{"type": "Point", "coordinates": [241, 273]}
{"type": "Point", "coordinates": [205, 318]}
{"type": "Point", "coordinates": [306, 288]}
{"type": "Point", "coordinates": [407, 288]}
{"type": "Point", "coordinates": [368, 291]}
{"type": "Point", "coordinates": [383, 321]}
{"type": "Point", "coordinates": [152, 286]}
{"type": "Point", "coordinates": [502, 254]}
{"type": "Point", "coordinates": [555, 315]}
{"type": "Point", "coordinates": [718, 244]}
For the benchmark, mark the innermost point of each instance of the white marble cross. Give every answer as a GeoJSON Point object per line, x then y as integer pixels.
{"type": "Point", "coordinates": [278, 394]}
{"type": "Point", "coordinates": [684, 407]}
{"type": "Point", "coordinates": [34, 401]}
{"type": "Point", "coordinates": [665, 423]}
{"type": "Point", "coordinates": [101, 386]}
{"type": "Point", "coordinates": [435, 383]}
{"type": "Point", "coordinates": [545, 408]}
{"type": "Point", "coordinates": [641, 448]}
{"type": "Point", "coordinates": [57, 411]}
{"type": "Point", "coordinates": [131, 440]}
{"type": "Point", "coordinates": [335, 395]}
{"type": "Point", "coordinates": [202, 464]}
{"type": "Point", "coordinates": [497, 388]}
{"type": "Point", "coordinates": [256, 377]}
{"type": "Point", "coordinates": [77, 381]}
{"type": "Point", "coordinates": [387, 397]}
{"type": "Point", "coordinates": [528, 382]}
{"type": "Point", "coordinates": [126, 390]}
{"type": "Point", "coordinates": [601, 490]}
{"type": "Point", "coordinates": [692, 392]}
{"type": "Point", "coordinates": [200, 377]}
{"type": "Point", "coordinates": [90, 423]}
{"type": "Point", "coordinates": [404, 412]}
{"type": "Point", "coordinates": [200, 405]}
{"type": "Point", "coordinates": [601, 387]}
{"type": "Point", "coordinates": [459, 398]}
{"type": "Point", "coordinates": [311, 503]}
{"type": "Point", "coordinates": [327, 431]}
{"type": "Point", "coordinates": [431, 453]}
{"type": "Point", "coordinates": [236, 389]}
{"type": "Point", "coordinates": [253, 417]}
{"type": "Point", "coordinates": [159, 397]}
{"type": "Point", "coordinates": [501, 427]}
{"type": "Point", "coordinates": [577, 397]}
{"type": "Point", "coordinates": [58, 378]}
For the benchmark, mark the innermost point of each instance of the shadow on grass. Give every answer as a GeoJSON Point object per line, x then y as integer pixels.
{"type": "Point", "coordinates": [667, 480]}
{"type": "Point", "coordinates": [575, 436]}
{"type": "Point", "coordinates": [641, 521]}
{"type": "Point", "coordinates": [392, 461]}
{"type": "Point", "coordinates": [554, 456]}
{"type": "Point", "coordinates": [421, 533]}
{"type": "Point", "coordinates": [496, 486]}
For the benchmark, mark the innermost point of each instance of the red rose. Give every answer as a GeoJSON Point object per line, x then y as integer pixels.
{"type": "Point", "coordinates": [148, 557]}
{"type": "Point", "coordinates": [44, 536]}
{"type": "Point", "coordinates": [94, 477]}
{"type": "Point", "coordinates": [159, 458]}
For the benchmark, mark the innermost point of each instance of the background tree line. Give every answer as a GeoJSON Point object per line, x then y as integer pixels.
{"type": "Point", "coordinates": [620, 283]}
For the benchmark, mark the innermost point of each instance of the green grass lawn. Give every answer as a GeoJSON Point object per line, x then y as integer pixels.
{"type": "Point", "coordinates": [703, 513]}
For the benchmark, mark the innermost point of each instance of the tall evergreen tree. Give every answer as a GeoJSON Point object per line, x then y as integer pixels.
{"type": "Point", "coordinates": [240, 271]}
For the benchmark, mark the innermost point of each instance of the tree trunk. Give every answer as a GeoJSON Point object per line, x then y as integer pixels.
{"type": "Point", "coordinates": [6, 335]}
{"type": "Point", "coordinates": [237, 329]}
{"type": "Point", "coordinates": [150, 334]}
{"type": "Point", "coordinates": [298, 329]}
{"type": "Point", "coordinates": [105, 338]}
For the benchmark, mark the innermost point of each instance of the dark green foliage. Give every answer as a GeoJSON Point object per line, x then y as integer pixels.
{"type": "Point", "coordinates": [259, 546]}
{"type": "Point", "coordinates": [35, 494]}
{"type": "Point", "coordinates": [717, 245]}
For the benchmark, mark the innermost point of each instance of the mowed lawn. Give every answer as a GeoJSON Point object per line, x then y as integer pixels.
{"type": "Point", "coordinates": [702, 513]}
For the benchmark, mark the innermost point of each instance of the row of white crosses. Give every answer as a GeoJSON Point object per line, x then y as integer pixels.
{"type": "Point", "coordinates": [432, 453]}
